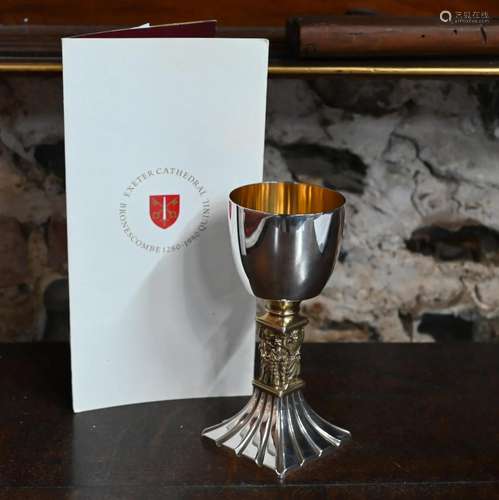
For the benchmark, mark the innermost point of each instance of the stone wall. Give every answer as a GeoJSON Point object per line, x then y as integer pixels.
{"type": "Point", "coordinates": [417, 159]}
{"type": "Point", "coordinates": [33, 262]}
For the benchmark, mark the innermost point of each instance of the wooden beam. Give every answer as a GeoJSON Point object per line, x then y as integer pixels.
{"type": "Point", "coordinates": [228, 12]}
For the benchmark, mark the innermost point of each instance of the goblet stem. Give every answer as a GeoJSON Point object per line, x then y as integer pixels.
{"type": "Point", "coordinates": [277, 428]}
{"type": "Point", "coordinates": [281, 330]}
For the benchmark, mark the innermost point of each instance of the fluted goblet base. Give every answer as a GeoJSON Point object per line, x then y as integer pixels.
{"type": "Point", "coordinates": [279, 432]}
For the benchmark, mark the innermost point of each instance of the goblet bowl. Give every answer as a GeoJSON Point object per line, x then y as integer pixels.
{"type": "Point", "coordinates": [285, 237]}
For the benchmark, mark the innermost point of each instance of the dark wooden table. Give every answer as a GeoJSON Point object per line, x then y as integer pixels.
{"type": "Point", "coordinates": [424, 419]}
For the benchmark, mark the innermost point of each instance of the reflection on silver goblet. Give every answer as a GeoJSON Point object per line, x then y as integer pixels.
{"type": "Point", "coordinates": [285, 240]}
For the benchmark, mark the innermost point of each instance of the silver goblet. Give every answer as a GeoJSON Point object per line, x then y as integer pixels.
{"type": "Point", "coordinates": [285, 239]}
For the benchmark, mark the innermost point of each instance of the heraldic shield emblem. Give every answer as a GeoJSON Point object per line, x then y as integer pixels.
{"type": "Point", "coordinates": [164, 209]}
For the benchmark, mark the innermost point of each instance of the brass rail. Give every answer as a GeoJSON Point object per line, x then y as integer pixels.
{"type": "Point", "coordinates": [30, 67]}
{"type": "Point", "coordinates": [298, 70]}
{"type": "Point", "coordinates": [383, 70]}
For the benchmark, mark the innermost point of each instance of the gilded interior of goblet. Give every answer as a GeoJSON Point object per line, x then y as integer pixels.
{"type": "Point", "coordinates": [287, 198]}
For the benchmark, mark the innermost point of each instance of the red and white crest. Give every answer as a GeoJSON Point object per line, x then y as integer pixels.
{"type": "Point", "coordinates": [164, 209]}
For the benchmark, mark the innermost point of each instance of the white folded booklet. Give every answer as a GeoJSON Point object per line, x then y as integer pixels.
{"type": "Point", "coordinates": [158, 131]}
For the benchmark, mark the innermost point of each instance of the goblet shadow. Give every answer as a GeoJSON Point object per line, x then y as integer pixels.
{"type": "Point", "coordinates": [214, 286]}
{"type": "Point", "coordinates": [188, 329]}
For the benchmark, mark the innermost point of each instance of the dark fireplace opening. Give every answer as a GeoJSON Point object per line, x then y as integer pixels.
{"type": "Point", "coordinates": [56, 299]}
{"type": "Point", "coordinates": [446, 327]}
{"type": "Point", "coordinates": [472, 242]}
{"type": "Point", "coordinates": [337, 168]}
{"type": "Point", "coordinates": [352, 331]}
{"type": "Point", "coordinates": [51, 158]}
